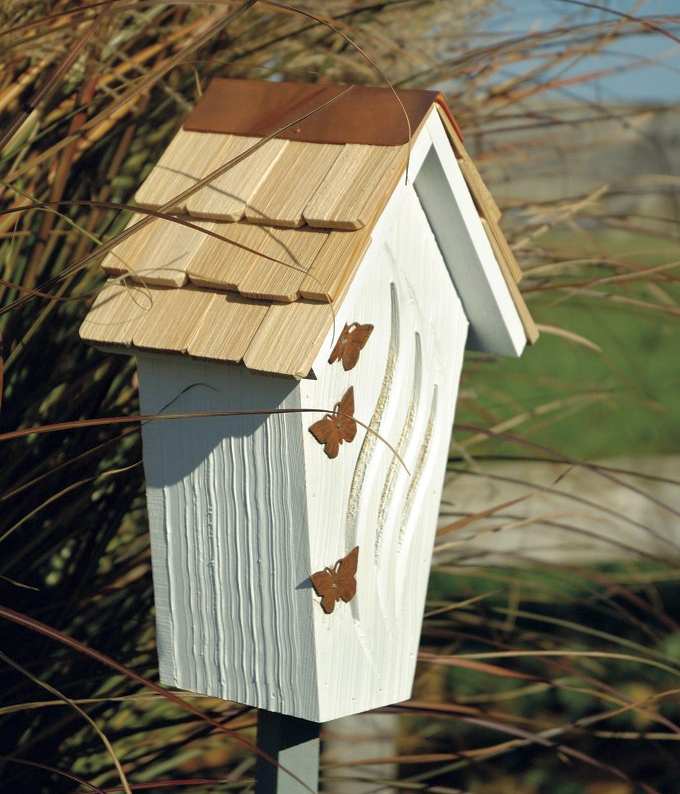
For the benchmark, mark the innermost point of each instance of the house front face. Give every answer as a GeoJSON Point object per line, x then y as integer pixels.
{"type": "Point", "coordinates": [244, 508]}
{"type": "Point", "coordinates": [382, 491]}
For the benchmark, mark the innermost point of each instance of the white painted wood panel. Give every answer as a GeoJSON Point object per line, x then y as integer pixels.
{"type": "Point", "coordinates": [407, 377]}
{"type": "Point", "coordinates": [226, 501]}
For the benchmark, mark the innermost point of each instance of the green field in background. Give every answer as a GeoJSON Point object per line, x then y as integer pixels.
{"type": "Point", "coordinates": [623, 401]}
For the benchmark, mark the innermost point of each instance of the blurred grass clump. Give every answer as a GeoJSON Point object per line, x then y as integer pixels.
{"type": "Point", "coordinates": [533, 679]}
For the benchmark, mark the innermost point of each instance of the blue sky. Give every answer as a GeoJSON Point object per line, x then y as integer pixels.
{"type": "Point", "coordinates": [658, 81]}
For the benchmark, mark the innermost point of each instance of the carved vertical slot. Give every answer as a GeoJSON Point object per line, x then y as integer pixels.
{"type": "Point", "coordinates": [404, 439]}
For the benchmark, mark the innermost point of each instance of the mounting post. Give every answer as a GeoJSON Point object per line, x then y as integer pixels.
{"type": "Point", "coordinates": [294, 743]}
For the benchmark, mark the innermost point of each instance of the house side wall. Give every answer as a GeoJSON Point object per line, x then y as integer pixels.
{"type": "Point", "coordinates": [405, 387]}
{"type": "Point", "coordinates": [227, 516]}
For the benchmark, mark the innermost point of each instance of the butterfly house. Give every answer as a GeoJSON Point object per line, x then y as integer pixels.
{"type": "Point", "coordinates": [312, 262]}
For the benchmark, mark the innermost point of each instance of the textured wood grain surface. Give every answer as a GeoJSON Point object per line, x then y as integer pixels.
{"type": "Point", "coordinates": [226, 196]}
{"type": "Point", "coordinates": [126, 255]}
{"type": "Point", "coordinates": [335, 265]}
{"type": "Point", "coordinates": [262, 262]}
{"type": "Point", "coordinates": [185, 161]}
{"type": "Point", "coordinates": [227, 328]}
{"type": "Point", "coordinates": [289, 338]}
{"type": "Point", "coordinates": [356, 175]}
{"type": "Point", "coordinates": [280, 183]}
{"type": "Point", "coordinates": [222, 263]}
{"type": "Point", "coordinates": [159, 253]}
{"type": "Point", "coordinates": [172, 321]}
{"type": "Point", "coordinates": [290, 184]}
{"type": "Point", "coordinates": [230, 554]}
{"type": "Point", "coordinates": [116, 312]}
{"type": "Point", "coordinates": [295, 250]}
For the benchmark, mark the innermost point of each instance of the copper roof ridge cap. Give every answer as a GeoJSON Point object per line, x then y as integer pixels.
{"type": "Point", "coordinates": [379, 115]}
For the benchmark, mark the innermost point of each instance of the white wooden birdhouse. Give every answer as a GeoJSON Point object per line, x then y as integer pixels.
{"type": "Point", "coordinates": [328, 283]}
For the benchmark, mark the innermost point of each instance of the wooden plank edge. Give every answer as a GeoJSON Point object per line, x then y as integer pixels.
{"type": "Point", "coordinates": [148, 279]}
{"type": "Point", "coordinates": [258, 219]}
{"type": "Point", "coordinates": [148, 205]}
{"type": "Point", "coordinates": [391, 178]}
{"type": "Point", "coordinates": [484, 198]}
{"type": "Point", "coordinates": [212, 285]}
{"type": "Point", "coordinates": [326, 296]}
{"type": "Point", "coordinates": [220, 217]}
{"type": "Point", "coordinates": [486, 204]}
{"type": "Point", "coordinates": [346, 224]}
{"type": "Point", "coordinates": [129, 348]}
{"type": "Point", "coordinates": [373, 209]}
{"type": "Point", "coordinates": [333, 305]}
{"type": "Point", "coordinates": [530, 330]}
{"type": "Point", "coordinates": [272, 296]}
{"type": "Point", "coordinates": [506, 251]}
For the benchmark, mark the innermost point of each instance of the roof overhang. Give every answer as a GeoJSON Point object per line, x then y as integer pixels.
{"type": "Point", "coordinates": [499, 320]}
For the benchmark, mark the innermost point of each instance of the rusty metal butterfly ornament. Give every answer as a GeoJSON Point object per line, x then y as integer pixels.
{"type": "Point", "coordinates": [337, 583]}
{"type": "Point", "coordinates": [337, 427]}
{"type": "Point", "coordinates": [350, 343]}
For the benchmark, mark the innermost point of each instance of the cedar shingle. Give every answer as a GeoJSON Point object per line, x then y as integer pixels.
{"type": "Point", "coordinates": [271, 264]}
{"type": "Point", "coordinates": [356, 175]}
{"type": "Point", "coordinates": [227, 328]}
{"type": "Point", "coordinates": [182, 165]}
{"type": "Point", "coordinates": [292, 181]}
{"type": "Point", "coordinates": [226, 196]}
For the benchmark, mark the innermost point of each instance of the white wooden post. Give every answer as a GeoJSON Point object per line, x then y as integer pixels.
{"type": "Point", "coordinates": [294, 744]}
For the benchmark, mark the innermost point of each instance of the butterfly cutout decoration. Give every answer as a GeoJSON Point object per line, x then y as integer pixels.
{"type": "Point", "coordinates": [337, 427]}
{"type": "Point", "coordinates": [350, 343]}
{"type": "Point", "coordinates": [337, 583]}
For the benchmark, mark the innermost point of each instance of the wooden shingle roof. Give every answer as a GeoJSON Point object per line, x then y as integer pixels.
{"type": "Point", "coordinates": [254, 258]}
